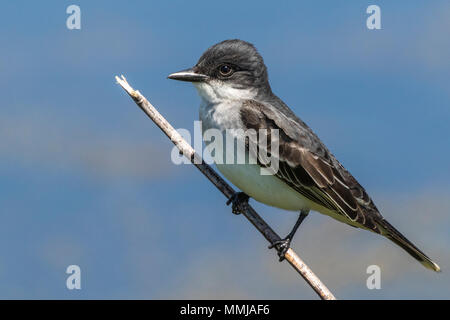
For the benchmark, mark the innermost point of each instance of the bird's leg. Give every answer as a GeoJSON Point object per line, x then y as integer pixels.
{"type": "Point", "coordinates": [237, 200]}
{"type": "Point", "coordinates": [282, 246]}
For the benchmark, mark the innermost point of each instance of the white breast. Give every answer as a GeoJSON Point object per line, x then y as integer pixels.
{"type": "Point", "coordinates": [264, 188]}
{"type": "Point", "coordinates": [220, 109]}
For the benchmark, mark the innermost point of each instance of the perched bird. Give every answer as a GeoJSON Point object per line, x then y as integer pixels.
{"type": "Point", "coordinates": [232, 81]}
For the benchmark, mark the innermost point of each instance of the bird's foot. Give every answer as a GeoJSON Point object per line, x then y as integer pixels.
{"type": "Point", "coordinates": [237, 200]}
{"type": "Point", "coordinates": [282, 246]}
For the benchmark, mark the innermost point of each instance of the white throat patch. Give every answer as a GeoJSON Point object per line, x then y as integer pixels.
{"type": "Point", "coordinates": [215, 91]}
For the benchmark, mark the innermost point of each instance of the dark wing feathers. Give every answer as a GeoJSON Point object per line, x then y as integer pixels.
{"type": "Point", "coordinates": [307, 166]}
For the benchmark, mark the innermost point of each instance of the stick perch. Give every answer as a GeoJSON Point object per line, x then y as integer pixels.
{"type": "Point", "coordinates": [225, 188]}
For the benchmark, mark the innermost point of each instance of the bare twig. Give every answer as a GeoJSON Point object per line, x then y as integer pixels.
{"type": "Point", "coordinates": [225, 188]}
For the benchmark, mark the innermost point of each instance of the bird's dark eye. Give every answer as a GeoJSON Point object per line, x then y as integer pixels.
{"type": "Point", "coordinates": [225, 70]}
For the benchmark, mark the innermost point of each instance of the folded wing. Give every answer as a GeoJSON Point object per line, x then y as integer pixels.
{"type": "Point", "coordinates": [306, 165]}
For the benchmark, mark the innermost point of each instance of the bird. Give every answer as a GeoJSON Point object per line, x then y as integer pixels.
{"type": "Point", "coordinates": [233, 84]}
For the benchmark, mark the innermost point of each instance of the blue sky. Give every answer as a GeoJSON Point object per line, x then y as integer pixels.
{"type": "Point", "coordinates": [86, 178]}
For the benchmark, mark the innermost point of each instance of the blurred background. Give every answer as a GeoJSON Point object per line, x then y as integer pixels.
{"type": "Point", "coordinates": [86, 178]}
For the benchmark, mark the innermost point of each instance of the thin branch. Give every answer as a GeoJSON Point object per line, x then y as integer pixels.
{"type": "Point", "coordinates": [225, 188]}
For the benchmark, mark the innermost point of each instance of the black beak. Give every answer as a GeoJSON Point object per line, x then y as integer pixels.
{"type": "Point", "coordinates": [190, 75]}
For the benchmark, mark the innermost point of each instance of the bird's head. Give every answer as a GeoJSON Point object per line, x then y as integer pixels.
{"type": "Point", "coordinates": [231, 69]}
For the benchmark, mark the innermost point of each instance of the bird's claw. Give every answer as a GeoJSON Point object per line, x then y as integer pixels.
{"type": "Point", "coordinates": [282, 246]}
{"type": "Point", "coordinates": [236, 200]}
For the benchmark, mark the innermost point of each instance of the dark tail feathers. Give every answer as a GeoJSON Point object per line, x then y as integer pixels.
{"type": "Point", "coordinates": [394, 235]}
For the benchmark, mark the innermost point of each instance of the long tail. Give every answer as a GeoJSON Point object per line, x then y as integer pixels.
{"type": "Point", "coordinates": [394, 235]}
